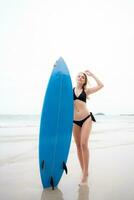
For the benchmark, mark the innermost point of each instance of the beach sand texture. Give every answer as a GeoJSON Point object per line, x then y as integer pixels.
{"type": "Point", "coordinates": [111, 162]}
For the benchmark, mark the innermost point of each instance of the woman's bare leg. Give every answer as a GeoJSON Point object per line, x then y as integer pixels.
{"type": "Point", "coordinates": [85, 132]}
{"type": "Point", "coordinates": [77, 138]}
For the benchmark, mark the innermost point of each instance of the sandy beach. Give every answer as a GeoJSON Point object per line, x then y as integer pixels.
{"type": "Point", "coordinates": [110, 172]}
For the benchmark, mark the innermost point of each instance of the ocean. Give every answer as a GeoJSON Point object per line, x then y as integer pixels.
{"type": "Point", "coordinates": [104, 123]}
{"type": "Point", "coordinates": [18, 121]}
{"type": "Point", "coordinates": [106, 130]}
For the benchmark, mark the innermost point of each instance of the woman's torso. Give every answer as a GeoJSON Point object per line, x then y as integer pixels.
{"type": "Point", "coordinates": [80, 108]}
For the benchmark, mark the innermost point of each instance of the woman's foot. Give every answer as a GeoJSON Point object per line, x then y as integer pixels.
{"type": "Point", "coordinates": [84, 180]}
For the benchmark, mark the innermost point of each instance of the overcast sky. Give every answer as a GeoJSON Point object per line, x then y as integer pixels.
{"type": "Point", "coordinates": [96, 35]}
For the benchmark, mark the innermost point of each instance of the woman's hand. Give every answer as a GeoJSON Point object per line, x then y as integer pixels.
{"type": "Point", "coordinates": [96, 88]}
{"type": "Point", "coordinates": [88, 73]}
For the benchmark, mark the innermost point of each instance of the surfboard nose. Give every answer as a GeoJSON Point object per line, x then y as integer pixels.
{"type": "Point", "coordinates": [61, 66]}
{"type": "Point", "coordinates": [60, 60]}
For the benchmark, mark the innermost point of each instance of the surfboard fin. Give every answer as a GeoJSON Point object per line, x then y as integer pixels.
{"type": "Point", "coordinates": [52, 182]}
{"type": "Point", "coordinates": [42, 164]}
{"type": "Point", "coordinates": [65, 167]}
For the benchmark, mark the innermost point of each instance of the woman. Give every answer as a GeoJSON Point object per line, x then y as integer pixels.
{"type": "Point", "coordinates": [83, 118]}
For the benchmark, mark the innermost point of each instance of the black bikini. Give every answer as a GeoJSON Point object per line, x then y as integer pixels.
{"type": "Point", "coordinates": [82, 97]}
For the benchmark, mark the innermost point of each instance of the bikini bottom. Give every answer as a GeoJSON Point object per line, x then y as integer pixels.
{"type": "Point", "coordinates": [81, 122]}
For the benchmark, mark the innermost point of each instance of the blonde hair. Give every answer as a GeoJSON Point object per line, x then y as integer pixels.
{"type": "Point", "coordinates": [84, 87]}
{"type": "Point", "coordinates": [86, 81]}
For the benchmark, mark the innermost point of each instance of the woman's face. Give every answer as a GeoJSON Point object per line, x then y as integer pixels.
{"type": "Point", "coordinates": [80, 78]}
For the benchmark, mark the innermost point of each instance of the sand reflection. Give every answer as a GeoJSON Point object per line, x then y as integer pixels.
{"type": "Point", "coordinates": [49, 194]}
{"type": "Point", "coordinates": [83, 193]}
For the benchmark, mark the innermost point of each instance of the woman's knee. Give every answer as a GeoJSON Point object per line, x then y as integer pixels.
{"type": "Point", "coordinates": [78, 146]}
{"type": "Point", "coordinates": [84, 145]}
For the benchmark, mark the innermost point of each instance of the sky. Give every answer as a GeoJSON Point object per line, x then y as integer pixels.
{"type": "Point", "coordinates": [96, 35]}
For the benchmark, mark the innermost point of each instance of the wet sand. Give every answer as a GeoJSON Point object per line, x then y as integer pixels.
{"type": "Point", "coordinates": [110, 170]}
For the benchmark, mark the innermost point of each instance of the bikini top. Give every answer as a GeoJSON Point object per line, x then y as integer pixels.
{"type": "Point", "coordinates": [81, 97]}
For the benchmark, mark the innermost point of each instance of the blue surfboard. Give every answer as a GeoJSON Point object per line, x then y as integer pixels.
{"type": "Point", "coordinates": [56, 126]}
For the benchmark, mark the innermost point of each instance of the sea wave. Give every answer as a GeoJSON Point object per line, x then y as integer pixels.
{"type": "Point", "coordinates": [18, 126]}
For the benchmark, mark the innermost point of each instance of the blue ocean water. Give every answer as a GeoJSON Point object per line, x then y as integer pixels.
{"type": "Point", "coordinates": [104, 123]}
{"type": "Point", "coordinates": [19, 121]}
